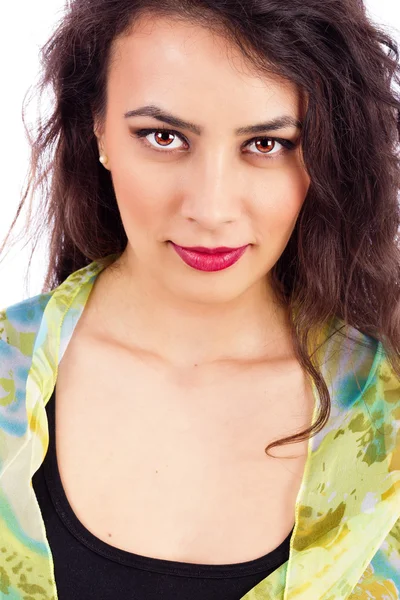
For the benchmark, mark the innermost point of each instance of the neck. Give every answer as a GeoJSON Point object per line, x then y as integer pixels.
{"type": "Point", "coordinates": [134, 311]}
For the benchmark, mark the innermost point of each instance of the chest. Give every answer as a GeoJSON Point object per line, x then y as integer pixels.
{"type": "Point", "coordinates": [171, 463]}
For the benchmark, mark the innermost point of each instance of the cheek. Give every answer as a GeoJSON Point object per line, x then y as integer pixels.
{"type": "Point", "coordinates": [277, 210]}
{"type": "Point", "coordinates": [139, 197]}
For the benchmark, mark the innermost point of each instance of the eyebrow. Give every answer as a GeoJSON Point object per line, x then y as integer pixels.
{"type": "Point", "coordinates": [161, 115]}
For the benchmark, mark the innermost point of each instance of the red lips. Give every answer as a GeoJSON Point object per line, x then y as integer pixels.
{"type": "Point", "coordinates": [209, 259]}
{"type": "Point", "coordinates": [209, 250]}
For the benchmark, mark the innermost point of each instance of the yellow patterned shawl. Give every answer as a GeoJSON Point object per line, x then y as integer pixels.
{"type": "Point", "coordinates": [346, 540]}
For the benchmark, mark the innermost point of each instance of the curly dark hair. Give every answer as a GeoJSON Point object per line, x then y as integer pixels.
{"type": "Point", "coordinates": [343, 256]}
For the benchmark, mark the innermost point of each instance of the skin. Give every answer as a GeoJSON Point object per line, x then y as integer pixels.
{"type": "Point", "coordinates": [212, 190]}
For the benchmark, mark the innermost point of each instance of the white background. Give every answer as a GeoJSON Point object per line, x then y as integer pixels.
{"type": "Point", "coordinates": [26, 26]}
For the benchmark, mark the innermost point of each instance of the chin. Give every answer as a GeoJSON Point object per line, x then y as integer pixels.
{"type": "Point", "coordinates": [207, 292]}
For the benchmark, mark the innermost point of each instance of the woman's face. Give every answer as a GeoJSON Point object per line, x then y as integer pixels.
{"type": "Point", "coordinates": [206, 185]}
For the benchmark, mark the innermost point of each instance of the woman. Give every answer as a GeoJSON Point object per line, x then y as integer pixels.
{"type": "Point", "coordinates": [223, 279]}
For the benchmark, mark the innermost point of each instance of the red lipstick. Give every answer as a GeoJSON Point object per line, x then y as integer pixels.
{"type": "Point", "coordinates": [209, 259]}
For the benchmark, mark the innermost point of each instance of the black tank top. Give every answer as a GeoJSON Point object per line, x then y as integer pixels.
{"type": "Point", "coordinates": [89, 569]}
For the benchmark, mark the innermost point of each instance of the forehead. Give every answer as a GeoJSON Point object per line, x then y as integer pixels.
{"type": "Point", "coordinates": [179, 61]}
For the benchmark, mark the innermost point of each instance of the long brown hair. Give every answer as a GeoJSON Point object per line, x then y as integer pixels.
{"type": "Point", "coordinates": [343, 258]}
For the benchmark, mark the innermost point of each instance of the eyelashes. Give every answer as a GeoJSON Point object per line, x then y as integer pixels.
{"type": "Point", "coordinates": [142, 134]}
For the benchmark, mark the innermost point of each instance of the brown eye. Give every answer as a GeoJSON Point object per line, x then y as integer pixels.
{"type": "Point", "coordinates": [268, 147]}
{"type": "Point", "coordinates": [264, 144]}
{"type": "Point", "coordinates": [164, 137]}
{"type": "Point", "coordinates": [157, 139]}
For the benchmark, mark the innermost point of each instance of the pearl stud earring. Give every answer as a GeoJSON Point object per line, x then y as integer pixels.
{"type": "Point", "coordinates": [103, 159]}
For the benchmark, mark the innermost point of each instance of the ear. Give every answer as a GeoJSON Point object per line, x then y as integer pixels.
{"type": "Point", "coordinates": [98, 134]}
{"type": "Point", "coordinates": [98, 128]}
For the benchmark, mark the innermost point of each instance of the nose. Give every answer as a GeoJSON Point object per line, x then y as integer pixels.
{"type": "Point", "coordinates": [212, 196]}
